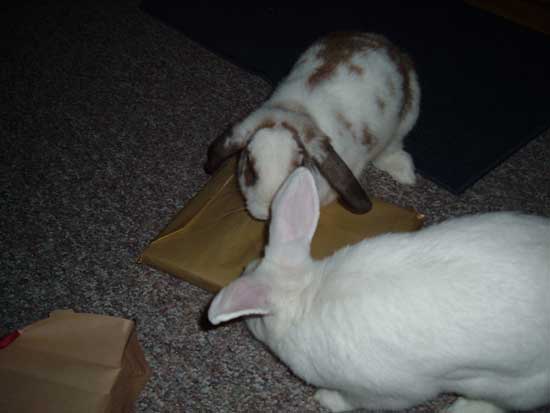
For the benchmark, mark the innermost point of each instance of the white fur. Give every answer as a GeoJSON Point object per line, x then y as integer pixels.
{"type": "Point", "coordinates": [462, 306]}
{"type": "Point", "coordinates": [270, 174]}
{"type": "Point", "coordinates": [345, 94]}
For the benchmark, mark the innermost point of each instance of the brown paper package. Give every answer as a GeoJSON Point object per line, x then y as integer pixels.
{"type": "Point", "coordinates": [212, 239]}
{"type": "Point", "coordinates": [73, 362]}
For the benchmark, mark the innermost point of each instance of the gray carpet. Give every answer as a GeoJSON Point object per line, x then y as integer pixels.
{"type": "Point", "coordinates": [106, 115]}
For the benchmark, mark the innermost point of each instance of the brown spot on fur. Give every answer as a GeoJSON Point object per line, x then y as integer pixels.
{"type": "Point", "coordinates": [344, 121]}
{"type": "Point", "coordinates": [310, 134]}
{"type": "Point", "coordinates": [326, 143]}
{"type": "Point", "coordinates": [407, 103]}
{"type": "Point", "coordinates": [293, 131]}
{"type": "Point", "coordinates": [405, 67]}
{"type": "Point", "coordinates": [247, 168]}
{"type": "Point", "coordinates": [297, 161]}
{"type": "Point", "coordinates": [266, 123]}
{"type": "Point", "coordinates": [368, 138]}
{"type": "Point", "coordinates": [355, 69]}
{"type": "Point", "coordinates": [290, 107]}
{"type": "Point", "coordinates": [302, 157]}
{"type": "Point", "coordinates": [346, 125]}
{"type": "Point", "coordinates": [339, 48]}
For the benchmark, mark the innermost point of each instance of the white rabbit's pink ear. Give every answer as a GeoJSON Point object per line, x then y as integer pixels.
{"type": "Point", "coordinates": [244, 296]}
{"type": "Point", "coordinates": [295, 214]}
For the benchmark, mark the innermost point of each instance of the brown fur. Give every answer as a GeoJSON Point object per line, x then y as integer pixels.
{"type": "Point", "coordinates": [368, 138]}
{"type": "Point", "coordinates": [266, 123]}
{"type": "Point", "coordinates": [405, 67]}
{"type": "Point", "coordinates": [309, 133]}
{"type": "Point", "coordinates": [358, 70]}
{"type": "Point", "coordinates": [341, 178]}
{"type": "Point", "coordinates": [339, 48]}
{"type": "Point", "coordinates": [247, 168]}
{"type": "Point", "coordinates": [331, 166]}
{"type": "Point", "coordinates": [293, 131]}
{"type": "Point", "coordinates": [298, 160]}
{"type": "Point", "coordinates": [344, 121]}
{"type": "Point", "coordinates": [248, 162]}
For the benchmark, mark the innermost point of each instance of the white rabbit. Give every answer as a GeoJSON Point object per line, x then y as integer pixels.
{"type": "Point", "coordinates": [351, 98]}
{"type": "Point", "coordinates": [460, 307]}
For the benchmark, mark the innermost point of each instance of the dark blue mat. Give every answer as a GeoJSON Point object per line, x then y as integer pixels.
{"type": "Point", "coordinates": [485, 81]}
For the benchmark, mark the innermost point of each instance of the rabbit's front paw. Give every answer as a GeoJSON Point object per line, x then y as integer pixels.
{"type": "Point", "coordinates": [332, 400]}
{"type": "Point", "coordinates": [399, 165]}
{"type": "Point", "coordinates": [462, 405]}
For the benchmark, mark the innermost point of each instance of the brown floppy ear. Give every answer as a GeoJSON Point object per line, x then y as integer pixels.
{"type": "Point", "coordinates": [222, 148]}
{"type": "Point", "coordinates": [337, 173]}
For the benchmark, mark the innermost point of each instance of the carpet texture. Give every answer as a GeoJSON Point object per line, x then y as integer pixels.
{"type": "Point", "coordinates": [105, 119]}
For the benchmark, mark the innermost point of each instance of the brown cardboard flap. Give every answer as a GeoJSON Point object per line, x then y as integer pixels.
{"type": "Point", "coordinates": [73, 362]}
{"type": "Point", "coordinates": [213, 237]}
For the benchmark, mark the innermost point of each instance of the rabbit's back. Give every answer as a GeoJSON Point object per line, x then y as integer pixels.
{"type": "Point", "coordinates": [355, 85]}
{"type": "Point", "coordinates": [459, 307]}
{"type": "Point", "coordinates": [463, 252]}
{"type": "Point", "coordinates": [489, 268]}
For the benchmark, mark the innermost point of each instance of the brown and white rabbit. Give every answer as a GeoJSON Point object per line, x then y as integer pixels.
{"type": "Point", "coordinates": [351, 98]}
{"type": "Point", "coordinates": [460, 307]}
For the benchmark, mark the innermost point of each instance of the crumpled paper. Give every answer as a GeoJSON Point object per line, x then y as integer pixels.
{"type": "Point", "coordinates": [72, 362]}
